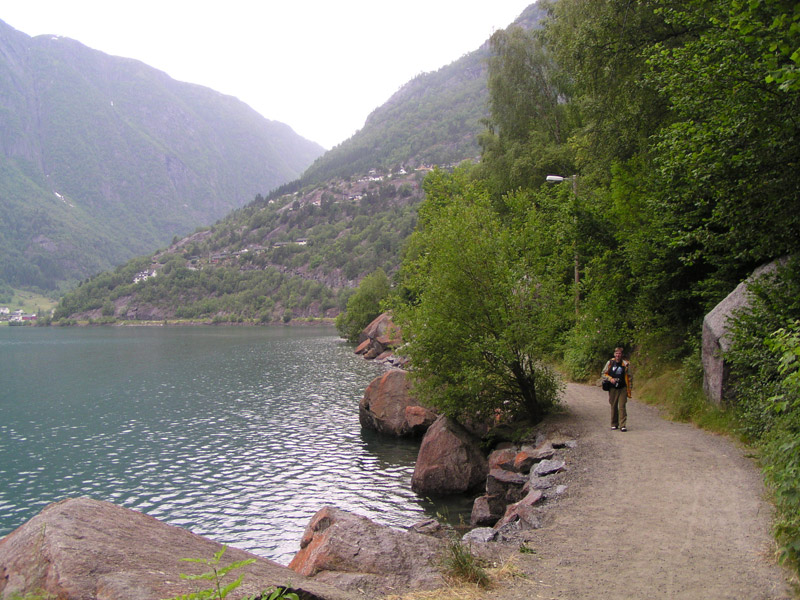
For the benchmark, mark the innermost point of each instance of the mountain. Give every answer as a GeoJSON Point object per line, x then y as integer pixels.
{"type": "Point", "coordinates": [434, 119]}
{"type": "Point", "coordinates": [103, 158]}
{"type": "Point", "coordinates": [301, 251]}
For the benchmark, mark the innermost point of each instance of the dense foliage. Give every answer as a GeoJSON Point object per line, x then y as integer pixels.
{"type": "Point", "coordinates": [364, 305]}
{"type": "Point", "coordinates": [674, 126]}
{"type": "Point", "coordinates": [485, 308]}
{"type": "Point", "coordinates": [764, 359]}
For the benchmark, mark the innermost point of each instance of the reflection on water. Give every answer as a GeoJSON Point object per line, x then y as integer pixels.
{"type": "Point", "coordinates": [238, 434]}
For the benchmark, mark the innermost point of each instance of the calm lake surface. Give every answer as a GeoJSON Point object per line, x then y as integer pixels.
{"type": "Point", "coordinates": [239, 434]}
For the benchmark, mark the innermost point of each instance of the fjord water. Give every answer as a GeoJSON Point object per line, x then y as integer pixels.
{"type": "Point", "coordinates": [237, 433]}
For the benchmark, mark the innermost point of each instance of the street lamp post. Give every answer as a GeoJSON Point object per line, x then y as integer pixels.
{"type": "Point", "coordinates": [574, 178]}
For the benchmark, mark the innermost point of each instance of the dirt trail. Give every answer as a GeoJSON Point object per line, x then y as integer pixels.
{"type": "Point", "coordinates": [663, 510]}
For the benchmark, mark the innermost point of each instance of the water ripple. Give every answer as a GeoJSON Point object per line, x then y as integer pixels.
{"type": "Point", "coordinates": [239, 435]}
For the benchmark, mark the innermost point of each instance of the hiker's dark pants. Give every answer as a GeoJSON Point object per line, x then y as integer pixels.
{"type": "Point", "coordinates": [618, 398]}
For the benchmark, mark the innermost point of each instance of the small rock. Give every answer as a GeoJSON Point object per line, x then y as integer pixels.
{"type": "Point", "coordinates": [528, 456]}
{"type": "Point", "coordinates": [429, 527]}
{"type": "Point", "coordinates": [502, 459]}
{"type": "Point", "coordinates": [560, 441]}
{"type": "Point", "coordinates": [481, 534]}
{"type": "Point", "coordinates": [538, 483]}
{"type": "Point", "coordinates": [487, 510]}
{"type": "Point", "coordinates": [517, 511]}
{"type": "Point", "coordinates": [547, 467]}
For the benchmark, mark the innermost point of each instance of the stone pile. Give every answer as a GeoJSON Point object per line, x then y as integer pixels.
{"type": "Point", "coordinates": [378, 340]}
{"type": "Point", "coordinates": [520, 479]}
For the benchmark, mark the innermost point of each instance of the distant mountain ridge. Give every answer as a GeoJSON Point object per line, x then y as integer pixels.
{"type": "Point", "coordinates": [434, 119]}
{"type": "Point", "coordinates": [103, 158]}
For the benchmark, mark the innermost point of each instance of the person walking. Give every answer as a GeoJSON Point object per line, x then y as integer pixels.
{"type": "Point", "coordinates": [618, 380]}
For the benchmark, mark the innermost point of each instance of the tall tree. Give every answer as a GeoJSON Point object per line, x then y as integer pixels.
{"type": "Point", "coordinates": [530, 122]}
{"type": "Point", "coordinates": [603, 47]}
{"type": "Point", "coordinates": [488, 303]}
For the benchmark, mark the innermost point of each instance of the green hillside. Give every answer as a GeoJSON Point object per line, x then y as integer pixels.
{"type": "Point", "coordinates": [297, 255]}
{"type": "Point", "coordinates": [103, 158]}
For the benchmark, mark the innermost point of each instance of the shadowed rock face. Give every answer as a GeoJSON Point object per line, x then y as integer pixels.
{"type": "Point", "coordinates": [450, 460]}
{"type": "Point", "coordinates": [388, 406]}
{"type": "Point", "coordinates": [82, 549]}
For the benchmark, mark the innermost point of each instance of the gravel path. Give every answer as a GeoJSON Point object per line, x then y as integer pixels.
{"type": "Point", "coordinates": [664, 510]}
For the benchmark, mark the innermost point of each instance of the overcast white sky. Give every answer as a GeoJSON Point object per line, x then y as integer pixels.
{"type": "Point", "coordinates": [320, 66]}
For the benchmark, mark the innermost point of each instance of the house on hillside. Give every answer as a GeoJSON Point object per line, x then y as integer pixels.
{"type": "Point", "coordinates": [144, 275]}
{"type": "Point", "coordinates": [19, 316]}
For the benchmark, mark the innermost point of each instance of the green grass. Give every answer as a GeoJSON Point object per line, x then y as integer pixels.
{"type": "Point", "coordinates": [29, 302]}
{"type": "Point", "coordinates": [460, 564]}
{"type": "Point", "coordinates": [683, 399]}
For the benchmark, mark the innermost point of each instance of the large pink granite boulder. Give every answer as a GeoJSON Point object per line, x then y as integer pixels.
{"type": "Point", "coordinates": [83, 549]}
{"type": "Point", "coordinates": [450, 460]}
{"type": "Point", "coordinates": [382, 329]}
{"type": "Point", "coordinates": [354, 553]}
{"type": "Point", "coordinates": [389, 407]}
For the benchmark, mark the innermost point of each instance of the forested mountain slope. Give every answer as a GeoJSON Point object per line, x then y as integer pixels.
{"type": "Point", "coordinates": [351, 212]}
{"type": "Point", "coordinates": [434, 119]}
{"type": "Point", "coordinates": [103, 158]}
{"type": "Point", "coordinates": [279, 258]}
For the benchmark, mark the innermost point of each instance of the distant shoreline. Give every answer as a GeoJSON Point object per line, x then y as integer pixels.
{"type": "Point", "coordinates": [327, 322]}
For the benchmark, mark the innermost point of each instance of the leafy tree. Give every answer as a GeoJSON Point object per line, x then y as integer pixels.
{"type": "Point", "coordinates": [486, 304]}
{"type": "Point", "coordinates": [529, 123]}
{"type": "Point", "coordinates": [727, 165]}
{"type": "Point", "coordinates": [602, 46]}
{"type": "Point", "coordinates": [363, 306]}
{"type": "Point", "coordinates": [774, 27]}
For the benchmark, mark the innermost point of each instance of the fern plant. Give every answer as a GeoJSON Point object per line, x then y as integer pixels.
{"type": "Point", "coordinates": [217, 591]}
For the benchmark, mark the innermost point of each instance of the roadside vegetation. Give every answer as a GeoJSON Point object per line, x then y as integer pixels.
{"type": "Point", "coordinates": [673, 130]}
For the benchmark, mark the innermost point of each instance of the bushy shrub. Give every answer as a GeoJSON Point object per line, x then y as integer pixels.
{"type": "Point", "coordinates": [363, 306]}
{"type": "Point", "coordinates": [764, 359]}
{"type": "Point", "coordinates": [782, 446]}
{"type": "Point", "coordinates": [775, 304]}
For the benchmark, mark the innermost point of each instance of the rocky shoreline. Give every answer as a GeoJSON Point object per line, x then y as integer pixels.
{"type": "Point", "coordinates": [84, 548]}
